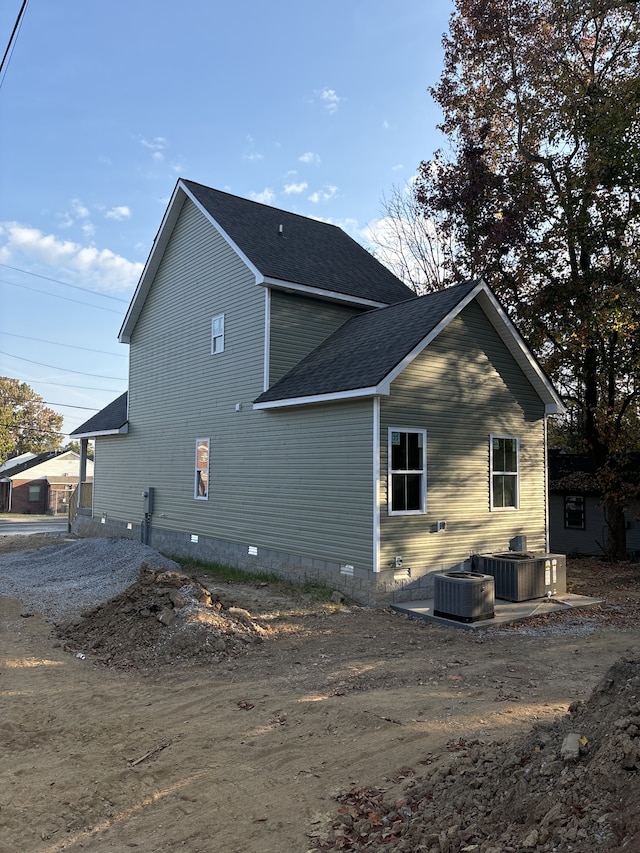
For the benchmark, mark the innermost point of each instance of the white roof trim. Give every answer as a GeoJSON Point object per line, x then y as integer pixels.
{"type": "Point", "coordinates": [356, 393]}
{"type": "Point", "coordinates": [516, 345]}
{"type": "Point", "coordinates": [331, 295]}
{"type": "Point", "coordinates": [224, 235]}
{"type": "Point", "coordinates": [504, 328]}
{"type": "Point", "coordinates": [153, 262]}
{"type": "Point", "coordinates": [122, 431]}
{"type": "Point", "coordinates": [180, 194]}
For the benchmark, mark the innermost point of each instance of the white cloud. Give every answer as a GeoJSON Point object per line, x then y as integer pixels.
{"type": "Point", "coordinates": [157, 147]}
{"type": "Point", "coordinates": [158, 143]}
{"type": "Point", "coordinates": [253, 156]}
{"type": "Point", "coordinates": [80, 210]}
{"type": "Point", "coordinates": [265, 197]}
{"type": "Point", "coordinates": [330, 99]}
{"type": "Point", "coordinates": [296, 188]}
{"type": "Point", "coordinates": [119, 213]}
{"type": "Point", "coordinates": [79, 214]}
{"type": "Point", "coordinates": [325, 194]}
{"type": "Point", "coordinates": [99, 268]}
{"type": "Point", "coordinates": [309, 157]}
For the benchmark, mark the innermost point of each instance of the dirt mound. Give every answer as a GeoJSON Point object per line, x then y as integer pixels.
{"type": "Point", "coordinates": [572, 785]}
{"type": "Point", "coordinates": [163, 618]}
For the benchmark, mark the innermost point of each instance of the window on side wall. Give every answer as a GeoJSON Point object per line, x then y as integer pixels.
{"type": "Point", "coordinates": [201, 491]}
{"type": "Point", "coordinates": [217, 334]}
{"type": "Point", "coordinates": [504, 477]}
{"type": "Point", "coordinates": [407, 480]}
{"type": "Point", "coordinates": [574, 512]}
{"type": "Point", "coordinates": [34, 492]}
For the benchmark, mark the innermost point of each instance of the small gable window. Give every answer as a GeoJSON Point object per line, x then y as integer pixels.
{"type": "Point", "coordinates": [217, 334]}
{"type": "Point", "coordinates": [201, 491]}
{"type": "Point", "coordinates": [407, 480]}
{"type": "Point", "coordinates": [504, 478]}
{"type": "Point", "coordinates": [574, 512]}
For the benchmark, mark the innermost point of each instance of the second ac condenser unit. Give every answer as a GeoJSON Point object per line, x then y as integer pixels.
{"type": "Point", "coordinates": [522, 576]}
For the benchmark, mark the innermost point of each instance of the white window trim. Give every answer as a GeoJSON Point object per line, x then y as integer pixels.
{"type": "Point", "coordinates": [217, 341]}
{"type": "Point", "coordinates": [390, 472]}
{"type": "Point", "coordinates": [197, 469]}
{"type": "Point", "coordinates": [492, 472]}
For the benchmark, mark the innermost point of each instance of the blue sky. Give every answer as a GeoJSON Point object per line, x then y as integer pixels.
{"type": "Point", "coordinates": [318, 108]}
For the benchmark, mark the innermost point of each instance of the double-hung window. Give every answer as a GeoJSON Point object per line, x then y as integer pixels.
{"type": "Point", "coordinates": [217, 334]}
{"type": "Point", "coordinates": [574, 516]}
{"type": "Point", "coordinates": [407, 480]}
{"type": "Point", "coordinates": [504, 476]}
{"type": "Point", "coordinates": [201, 488]}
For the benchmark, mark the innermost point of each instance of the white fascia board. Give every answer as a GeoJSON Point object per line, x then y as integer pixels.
{"type": "Point", "coordinates": [320, 398]}
{"type": "Point", "coordinates": [516, 345]}
{"type": "Point", "coordinates": [174, 208]}
{"type": "Point", "coordinates": [225, 236]}
{"type": "Point", "coordinates": [331, 295]}
{"type": "Point", "coordinates": [153, 262]}
{"type": "Point", "coordinates": [122, 431]}
{"type": "Point", "coordinates": [509, 336]}
{"type": "Point", "coordinates": [433, 334]}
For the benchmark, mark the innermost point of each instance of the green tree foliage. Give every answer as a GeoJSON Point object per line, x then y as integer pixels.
{"type": "Point", "coordinates": [26, 424]}
{"type": "Point", "coordinates": [540, 196]}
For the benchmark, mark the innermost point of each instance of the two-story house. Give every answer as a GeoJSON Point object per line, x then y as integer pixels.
{"type": "Point", "coordinates": [294, 407]}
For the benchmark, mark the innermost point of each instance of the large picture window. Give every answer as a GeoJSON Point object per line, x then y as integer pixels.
{"type": "Point", "coordinates": [407, 482]}
{"type": "Point", "coordinates": [504, 453]}
{"type": "Point", "coordinates": [201, 492]}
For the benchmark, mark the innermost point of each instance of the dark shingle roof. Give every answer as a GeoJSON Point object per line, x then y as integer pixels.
{"type": "Point", "coordinates": [362, 352]}
{"type": "Point", "coordinates": [110, 419]}
{"type": "Point", "coordinates": [11, 471]}
{"type": "Point", "coordinates": [308, 252]}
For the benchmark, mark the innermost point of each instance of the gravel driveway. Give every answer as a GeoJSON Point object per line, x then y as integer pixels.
{"type": "Point", "coordinates": [60, 581]}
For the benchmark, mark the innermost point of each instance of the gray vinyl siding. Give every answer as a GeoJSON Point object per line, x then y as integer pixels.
{"type": "Point", "coordinates": [297, 480]}
{"type": "Point", "coordinates": [462, 388]}
{"type": "Point", "coordinates": [298, 325]}
{"type": "Point", "coordinates": [593, 539]}
{"type": "Point", "coordinates": [303, 483]}
{"type": "Point", "coordinates": [178, 390]}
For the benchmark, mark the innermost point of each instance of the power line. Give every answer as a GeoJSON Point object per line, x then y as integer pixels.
{"type": "Point", "coordinates": [64, 369]}
{"type": "Point", "coordinates": [65, 283]}
{"type": "Point", "coordinates": [66, 298]}
{"type": "Point", "coordinates": [12, 39]}
{"type": "Point", "coordinates": [69, 346]}
{"type": "Point", "coordinates": [20, 404]}
{"type": "Point", "coordinates": [74, 387]}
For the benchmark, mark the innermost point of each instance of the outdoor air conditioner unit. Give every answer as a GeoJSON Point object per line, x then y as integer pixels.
{"type": "Point", "coordinates": [523, 576]}
{"type": "Point", "coordinates": [463, 596]}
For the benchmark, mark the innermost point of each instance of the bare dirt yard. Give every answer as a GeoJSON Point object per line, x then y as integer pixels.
{"type": "Point", "coordinates": [190, 714]}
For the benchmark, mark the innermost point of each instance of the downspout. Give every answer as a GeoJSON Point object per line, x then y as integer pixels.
{"type": "Point", "coordinates": [547, 541]}
{"type": "Point", "coordinates": [376, 484]}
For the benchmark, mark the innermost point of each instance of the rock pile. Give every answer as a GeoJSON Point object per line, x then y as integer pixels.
{"type": "Point", "coordinates": [163, 618]}
{"type": "Point", "coordinates": [573, 785]}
